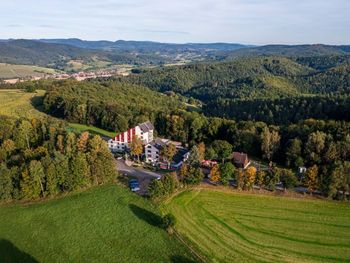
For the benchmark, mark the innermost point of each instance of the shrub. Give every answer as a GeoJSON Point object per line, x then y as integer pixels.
{"type": "Point", "coordinates": [168, 222]}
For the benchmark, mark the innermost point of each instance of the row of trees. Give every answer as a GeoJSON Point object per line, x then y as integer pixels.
{"type": "Point", "coordinates": [39, 158]}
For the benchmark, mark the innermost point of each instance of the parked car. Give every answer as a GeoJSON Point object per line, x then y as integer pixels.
{"type": "Point", "coordinates": [134, 185]}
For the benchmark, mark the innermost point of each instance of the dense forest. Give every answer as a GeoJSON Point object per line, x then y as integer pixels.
{"type": "Point", "coordinates": [283, 110]}
{"type": "Point", "coordinates": [111, 105]}
{"type": "Point", "coordinates": [41, 158]}
{"type": "Point", "coordinates": [251, 78]}
{"type": "Point", "coordinates": [272, 89]}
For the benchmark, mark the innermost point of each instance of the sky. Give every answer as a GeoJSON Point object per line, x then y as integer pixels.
{"type": "Point", "coordinates": [180, 21]}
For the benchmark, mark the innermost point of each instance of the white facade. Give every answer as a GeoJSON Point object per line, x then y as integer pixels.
{"type": "Point", "coordinates": [121, 142]}
{"type": "Point", "coordinates": [151, 154]}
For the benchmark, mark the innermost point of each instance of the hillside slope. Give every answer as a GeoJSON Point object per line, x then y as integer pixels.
{"type": "Point", "coordinates": [289, 51]}
{"type": "Point", "coordinates": [244, 78]}
{"type": "Point", "coordinates": [57, 56]}
{"type": "Point", "coordinates": [110, 105]}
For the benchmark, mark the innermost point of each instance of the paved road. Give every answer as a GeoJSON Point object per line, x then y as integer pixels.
{"type": "Point", "coordinates": [144, 177]}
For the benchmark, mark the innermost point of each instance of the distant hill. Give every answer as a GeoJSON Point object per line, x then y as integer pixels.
{"type": "Point", "coordinates": [242, 78]}
{"type": "Point", "coordinates": [38, 53]}
{"type": "Point", "coordinates": [252, 78]}
{"type": "Point", "coordinates": [289, 51]}
{"type": "Point", "coordinates": [145, 46]}
{"type": "Point", "coordinates": [32, 52]}
{"type": "Point", "coordinates": [59, 53]}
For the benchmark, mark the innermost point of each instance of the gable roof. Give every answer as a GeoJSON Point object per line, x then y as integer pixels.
{"type": "Point", "coordinates": [146, 126]}
{"type": "Point", "coordinates": [180, 154]}
{"type": "Point", "coordinates": [240, 158]}
{"type": "Point", "coordinates": [158, 143]}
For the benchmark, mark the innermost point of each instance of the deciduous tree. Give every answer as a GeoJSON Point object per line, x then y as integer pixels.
{"type": "Point", "coordinates": [270, 142]}
{"type": "Point", "coordinates": [136, 147]}
{"type": "Point", "coordinates": [215, 174]}
{"type": "Point", "coordinates": [311, 178]}
{"type": "Point", "coordinates": [222, 148]}
{"type": "Point", "coordinates": [227, 172]}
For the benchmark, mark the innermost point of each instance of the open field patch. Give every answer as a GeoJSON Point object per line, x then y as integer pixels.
{"type": "Point", "coordinates": [18, 103]}
{"type": "Point", "coordinates": [8, 71]}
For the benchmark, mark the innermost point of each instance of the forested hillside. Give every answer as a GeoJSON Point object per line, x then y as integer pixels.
{"type": "Point", "coordinates": [111, 105]}
{"type": "Point", "coordinates": [289, 51]}
{"type": "Point", "coordinates": [244, 78]}
{"type": "Point", "coordinates": [272, 89]}
{"type": "Point", "coordinates": [283, 110]}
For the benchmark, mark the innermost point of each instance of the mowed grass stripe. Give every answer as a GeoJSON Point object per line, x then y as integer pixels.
{"type": "Point", "coordinates": [255, 228]}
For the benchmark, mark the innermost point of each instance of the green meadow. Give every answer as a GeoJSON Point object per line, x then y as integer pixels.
{"type": "Point", "coordinates": [104, 224]}
{"type": "Point", "coordinates": [240, 227]}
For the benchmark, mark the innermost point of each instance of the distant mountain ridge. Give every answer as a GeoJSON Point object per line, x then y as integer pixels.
{"type": "Point", "coordinates": [58, 53]}
{"type": "Point", "coordinates": [145, 46]}
{"type": "Point", "coordinates": [34, 52]}
{"type": "Point", "coordinates": [291, 51]}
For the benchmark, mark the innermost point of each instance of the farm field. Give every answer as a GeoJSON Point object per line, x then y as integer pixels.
{"type": "Point", "coordinates": [18, 103]}
{"type": "Point", "coordinates": [104, 224]}
{"type": "Point", "coordinates": [8, 71]}
{"type": "Point", "coordinates": [238, 227]}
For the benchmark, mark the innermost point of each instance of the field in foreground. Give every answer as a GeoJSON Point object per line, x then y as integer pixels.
{"type": "Point", "coordinates": [8, 71]}
{"type": "Point", "coordinates": [234, 227]}
{"type": "Point", "coordinates": [104, 224]}
{"type": "Point", "coordinates": [18, 103]}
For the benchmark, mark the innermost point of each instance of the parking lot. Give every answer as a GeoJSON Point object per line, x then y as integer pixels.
{"type": "Point", "coordinates": [143, 176]}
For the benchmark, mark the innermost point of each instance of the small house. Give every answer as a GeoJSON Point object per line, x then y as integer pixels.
{"type": "Point", "coordinates": [240, 160]}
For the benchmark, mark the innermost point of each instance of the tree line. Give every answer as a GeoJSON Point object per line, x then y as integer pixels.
{"type": "Point", "coordinates": [41, 158]}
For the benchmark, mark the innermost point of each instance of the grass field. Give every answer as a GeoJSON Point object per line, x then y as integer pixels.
{"type": "Point", "coordinates": [8, 71]}
{"type": "Point", "coordinates": [234, 227]}
{"type": "Point", "coordinates": [91, 129]}
{"type": "Point", "coordinates": [18, 103]}
{"type": "Point", "coordinates": [104, 224]}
